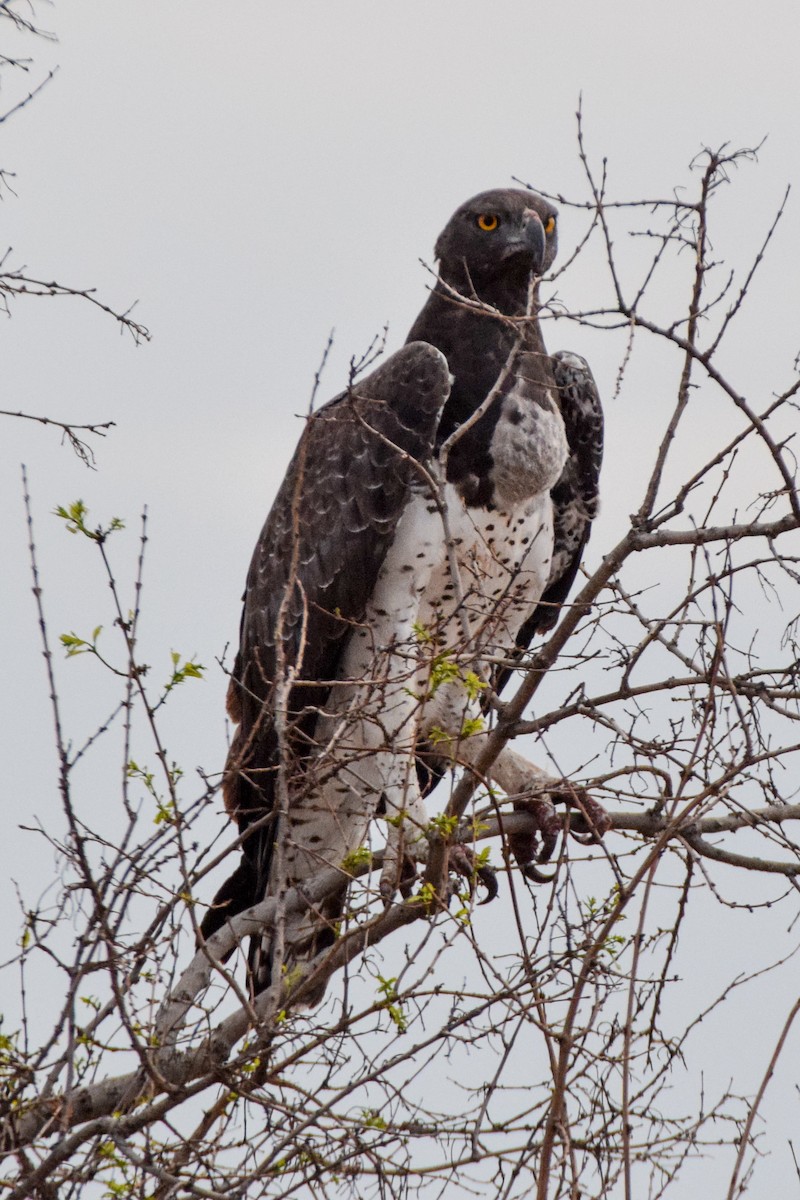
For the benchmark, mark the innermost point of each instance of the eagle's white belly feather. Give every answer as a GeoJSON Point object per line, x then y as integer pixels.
{"type": "Point", "coordinates": [409, 669]}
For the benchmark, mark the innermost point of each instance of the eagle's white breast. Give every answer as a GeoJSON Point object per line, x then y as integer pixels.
{"type": "Point", "coordinates": [453, 590]}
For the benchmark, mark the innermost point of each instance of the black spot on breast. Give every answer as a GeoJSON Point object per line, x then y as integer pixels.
{"type": "Point", "coordinates": [514, 416]}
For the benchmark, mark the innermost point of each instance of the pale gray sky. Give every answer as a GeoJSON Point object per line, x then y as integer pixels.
{"type": "Point", "coordinates": [255, 174]}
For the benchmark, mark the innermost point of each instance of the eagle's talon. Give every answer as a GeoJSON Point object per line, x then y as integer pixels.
{"type": "Point", "coordinates": [547, 826]}
{"type": "Point", "coordinates": [535, 875]}
{"type": "Point", "coordinates": [462, 860]}
{"type": "Point", "coordinates": [488, 878]}
{"type": "Point", "coordinates": [408, 877]}
{"type": "Point", "coordinates": [591, 812]}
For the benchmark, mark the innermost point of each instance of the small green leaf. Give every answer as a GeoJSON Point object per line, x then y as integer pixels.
{"type": "Point", "coordinates": [443, 825]}
{"type": "Point", "coordinates": [74, 644]}
{"type": "Point", "coordinates": [390, 1002]}
{"type": "Point", "coordinates": [372, 1120]}
{"type": "Point", "coordinates": [76, 515]}
{"type": "Point", "coordinates": [397, 820]}
{"type": "Point", "coordinates": [443, 670]}
{"type": "Point", "coordinates": [181, 671]}
{"type": "Point", "coordinates": [165, 813]}
{"type": "Point", "coordinates": [353, 862]}
{"type": "Point", "coordinates": [474, 684]}
{"type": "Point", "coordinates": [471, 726]}
{"type": "Point", "coordinates": [426, 894]}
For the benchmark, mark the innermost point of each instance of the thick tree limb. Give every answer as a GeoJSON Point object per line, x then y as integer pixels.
{"type": "Point", "coordinates": [176, 1069]}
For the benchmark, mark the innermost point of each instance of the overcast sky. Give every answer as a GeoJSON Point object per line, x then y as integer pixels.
{"type": "Point", "coordinates": [255, 174]}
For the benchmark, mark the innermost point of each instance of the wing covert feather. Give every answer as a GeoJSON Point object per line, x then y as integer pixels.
{"type": "Point", "coordinates": [321, 548]}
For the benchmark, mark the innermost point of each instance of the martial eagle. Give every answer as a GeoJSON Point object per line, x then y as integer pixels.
{"type": "Point", "coordinates": [431, 522]}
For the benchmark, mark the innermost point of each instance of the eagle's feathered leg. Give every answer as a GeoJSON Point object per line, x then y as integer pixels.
{"type": "Point", "coordinates": [405, 838]}
{"type": "Point", "coordinates": [383, 704]}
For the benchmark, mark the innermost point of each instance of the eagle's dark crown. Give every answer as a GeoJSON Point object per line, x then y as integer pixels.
{"type": "Point", "coordinates": [502, 233]}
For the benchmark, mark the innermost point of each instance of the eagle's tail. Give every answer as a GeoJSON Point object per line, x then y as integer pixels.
{"type": "Point", "coordinates": [307, 936]}
{"type": "Point", "coordinates": [304, 938]}
{"type": "Point", "coordinates": [236, 894]}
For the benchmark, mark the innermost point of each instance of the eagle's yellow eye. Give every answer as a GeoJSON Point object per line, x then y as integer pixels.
{"type": "Point", "coordinates": [550, 225]}
{"type": "Point", "coordinates": [488, 222]}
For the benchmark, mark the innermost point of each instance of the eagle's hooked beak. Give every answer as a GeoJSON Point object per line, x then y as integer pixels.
{"type": "Point", "coordinates": [531, 241]}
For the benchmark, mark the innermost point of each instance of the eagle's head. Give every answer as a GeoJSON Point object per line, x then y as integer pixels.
{"type": "Point", "coordinates": [504, 234]}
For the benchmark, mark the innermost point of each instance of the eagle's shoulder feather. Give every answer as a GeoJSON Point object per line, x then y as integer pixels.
{"type": "Point", "coordinates": [319, 553]}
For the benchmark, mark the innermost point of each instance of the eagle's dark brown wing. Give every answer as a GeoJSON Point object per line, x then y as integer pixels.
{"type": "Point", "coordinates": [576, 495]}
{"type": "Point", "coordinates": [313, 571]}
